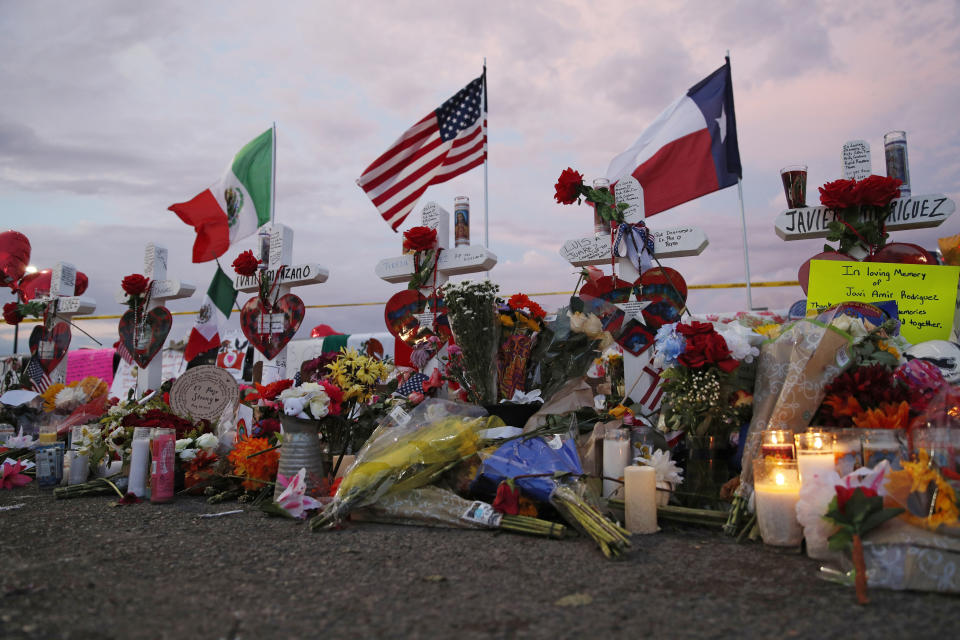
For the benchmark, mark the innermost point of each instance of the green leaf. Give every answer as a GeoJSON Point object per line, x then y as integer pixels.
{"type": "Point", "coordinates": [841, 540]}
{"type": "Point", "coordinates": [877, 518]}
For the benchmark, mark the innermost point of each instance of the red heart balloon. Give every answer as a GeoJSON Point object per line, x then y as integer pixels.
{"type": "Point", "coordinates": [14, 257]}
{"type": "Point", "coordinates": [37, 284]}
{"type": "Point", "coordinates": [803, 274]}
{"type": "Point", "coordinates": [902, 253]}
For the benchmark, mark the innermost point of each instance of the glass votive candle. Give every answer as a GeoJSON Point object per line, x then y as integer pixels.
{"type": "Point", "coordinates": [778, 443]}
{"type": "Point", "coordinates": [883, 444]}
{"type": "Point", "coordinates": [942, 444]}
{"type": "Point", "coordinates": [815, 454]}
{"type": "Point", "coordinates": [847, 452]}
{"type": "Point", "coordinates": [776, 484]}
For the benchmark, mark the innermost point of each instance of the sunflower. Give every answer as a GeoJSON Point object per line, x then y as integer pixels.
{"type": "Point", "coordinates": [260, 469]}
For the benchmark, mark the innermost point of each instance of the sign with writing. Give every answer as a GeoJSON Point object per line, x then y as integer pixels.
{"type": "Point", "coordinates": [300, 274]}
{"type": "Point", "coordinates": [630, 191]}
{"type": "Point", "coordinates": [425, 320]}
{"type": "Point", "coordinates": [155, 262]}
{"type": "Point", "coordinates": [272, 323]}
{"type": "Point", "coordinates": [436, 217]}
{"type": "Point", "coordinates": [856, 160]}
{"type": "Point", "coordinates": [667, 243]}
{"type": "Point", "coordinates": [633, 309]}
{"type": "Point", "coordinates": [90, 362]}
{"type": "Point", "coordinates": [464, 259]}
{"type": "Point", "coordinates": [281, 245]}
{"type": "Point", "coordinates": [915, 212]}
{"type": "Point", "coordinates": [125, 377]}
{"type": "Point", "coordinates": [204, 393]}
{"type": "Point", "coordinates": [925, 294]}
{"type": "Point", "coordinates": [63, 280]}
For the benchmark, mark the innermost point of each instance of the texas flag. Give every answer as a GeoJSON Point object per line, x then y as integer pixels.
{"type": "Point", "coordinates": [690, 150]}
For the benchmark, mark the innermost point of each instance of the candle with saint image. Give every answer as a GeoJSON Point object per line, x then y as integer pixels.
{"type": "Point", "coordinates": [163, 451]}
{"type": "Point", "coordinates": [814, 454]}
{"type": "Point", "coordinates": [795, 185]}
{"type": "Point", "coordinates": [777, 487]}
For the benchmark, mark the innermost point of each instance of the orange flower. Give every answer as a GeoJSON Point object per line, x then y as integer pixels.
{"type": "Point", "coordinates": [258, 470]}
{"type": "Point", "coordinates": [886, 416]}
{"type": "Point", "coordinates": [843, 406]}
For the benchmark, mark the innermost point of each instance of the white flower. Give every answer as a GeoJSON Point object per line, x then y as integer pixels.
{"type": "Point", "coordinates": [208, 442]}
{"type": "Point", "coordinates": [667, 469]}
{"type": "Point", "coordinates": [116, 411]}
{"type": "Point", "coordinates": [292, 392]}
{"type": "Point", "coordinates": [320, 404]}
{"type": "Point", "coordinates": [739, 342]}
{"type": "Point", "coordinates": [309, 388]}
{"type": "Point", "coordinates": [293, 498]}
{"type": "Point", "coordinates": [593, 326]}
{"type": "Point", "coordinates": [188, 454]}
{"type": "Point", "coordinates": [69, 398]}
{"type": "Point", "coordinates": [182, 443]}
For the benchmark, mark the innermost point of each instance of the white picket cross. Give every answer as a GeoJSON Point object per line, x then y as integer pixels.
{"type": "Point", "coordinates": [915, 212]}
{"type": "Point", "coordinates": [281, 254]}
{"type": "Point", "coordinates": [63, 285]}
{"type": "Point", "coordinates": [161, 290]}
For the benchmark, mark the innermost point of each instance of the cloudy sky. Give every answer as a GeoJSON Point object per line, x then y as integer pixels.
{"type": "Point", "coordinates": [111, 111]}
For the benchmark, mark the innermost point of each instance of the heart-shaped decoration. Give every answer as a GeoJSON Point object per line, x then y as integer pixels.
{"type": "Point", "coordinates": [156, 326]}
{"type": "Point", "coordinates": [666, 290]}
{"type": "Point", "coordinates": [803, 274]}
{"type": "Point", "coordinates": [49, 348]}
{"type": "Point", "coordinates": [404, 310]}
{"type": "Point", "coordinates": [610, 288]}
{"type": "Point", "coordinates": [902, 253]}
{"type": "Point", "coordinates": [269, 331]}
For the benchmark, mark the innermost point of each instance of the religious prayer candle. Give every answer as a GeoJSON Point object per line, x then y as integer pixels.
{"type": "Point", "coordinates": [616, 456]}
{"type": "Point", "coordinates": [163, 450]}
{"type": "Point", "coordinates": [814, 454]}
{"type": "Point", "coordinates": [847, 453]}
{"type": "Point", "coordinates": [139, 461]}
{"type": "Point", "coordinates": [883, 444]}
{"type": "Point", "coordinates": [640, 499]}
{"type": "Point", "coordinates": [79, 467]}
{"type": "Point", "coordinates": [777, 488]}
{"type": "Point", "coordinates": [778, 443]}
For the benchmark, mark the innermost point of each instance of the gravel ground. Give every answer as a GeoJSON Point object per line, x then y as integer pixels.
{"type": "Point", "coordinates": [81, 568]}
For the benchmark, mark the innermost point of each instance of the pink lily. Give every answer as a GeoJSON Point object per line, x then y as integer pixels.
{"type": "Point", "coordinates": [10, 475]}
{"type": "Point", "coordinates": [293, 498]}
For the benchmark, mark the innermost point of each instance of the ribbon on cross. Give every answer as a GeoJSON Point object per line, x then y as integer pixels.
{"type": "Point", "coordinates": [639, 243]}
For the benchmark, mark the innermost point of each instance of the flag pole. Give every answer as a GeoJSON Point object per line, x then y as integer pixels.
{"type": "Point", "coordinates": [273, 176]}
{"type": "Point", "coordinates": [743, 225]}
{"type": "Point", "coordinates": [486, 156]}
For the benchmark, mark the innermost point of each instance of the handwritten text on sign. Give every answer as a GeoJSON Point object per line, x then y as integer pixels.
{"type": "Point", "coordinates": [916, 212]}
{"type": "Point", "coordinates": [924, 294]}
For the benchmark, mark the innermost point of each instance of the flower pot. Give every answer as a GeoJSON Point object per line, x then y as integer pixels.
{"type": "Point", "coordinates": [301, 449]}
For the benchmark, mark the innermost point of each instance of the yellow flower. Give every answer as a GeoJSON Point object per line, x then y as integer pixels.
{"type": "Point", "coordinates": [506, 320]}
{"type": "Point", "coordinates": [620, 410]}
{"type": "Point", "coordinates": [50, 396]}
{"type": "Point", "coordinates": [883, 345]}
{"type": "Point", "coordinates": [771, 330]}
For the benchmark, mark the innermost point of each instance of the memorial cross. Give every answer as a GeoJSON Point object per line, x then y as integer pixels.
{"type": "Point", "coordinates": [62, 305]}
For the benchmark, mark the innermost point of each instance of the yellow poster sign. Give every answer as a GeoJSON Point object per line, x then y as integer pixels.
{"type": "Point", "coordinates": [925, 294]}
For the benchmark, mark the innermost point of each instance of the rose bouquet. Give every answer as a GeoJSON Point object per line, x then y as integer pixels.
{"type": "Point", "coordinates": [521, 320]}
{"type": "Point", "coordinates": [862, 207]}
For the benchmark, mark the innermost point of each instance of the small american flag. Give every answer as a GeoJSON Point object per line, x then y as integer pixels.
{"type": "Point", "coordinates": [39, 377]}
{"type": "Point", "coordinates": [413, 384]}
{"type": "Point", "coordinates": [445, 143]}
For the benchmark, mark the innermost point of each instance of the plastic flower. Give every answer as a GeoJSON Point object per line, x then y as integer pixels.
{"type": "Point", "coordinates": [246, 264]}
{"type": "Point", "coordinates": [886, 416]}
{"type": "Point", "coordinates": [11, 476]}
{"type": "Point", "coordinates": [11, 313]}
{"type": "Point", "coordinates": [294, 498]}
{"type": "Point", "coordinates": [568, 186]}
{"type": "Point", "coordinates": [208, 441]}
{"type": "Point", "coordinates": [258, 470]}
{"type": "Point", "coordinates": [135, 284]}
{"type": "Point", "coordinates": [669, 346]}
{"type": "Point", "coordinates": [667, 470]}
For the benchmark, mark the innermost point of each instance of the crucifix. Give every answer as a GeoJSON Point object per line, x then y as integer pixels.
{"type": "Point", "coordinates": [667, 243]}
{"type": "Point", "coordinates": [53, 339]}
{"type": "Point", "coordinates": [460, 260]}
{"type": "Point", "coordinates": [270, 329]}
{"type": "Point", "coordinates": [150, 375]}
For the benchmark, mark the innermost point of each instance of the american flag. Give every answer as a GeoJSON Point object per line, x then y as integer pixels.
{"type": "Point", "coordinates": [447, 142]}
{"type": "Point", "coordinates": [39, 377]}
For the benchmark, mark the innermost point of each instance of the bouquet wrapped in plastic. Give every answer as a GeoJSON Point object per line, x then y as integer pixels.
{"type": "Point", "coordinates": [434, 437]}
{"type": "Point", "coordinates": [549, 470]}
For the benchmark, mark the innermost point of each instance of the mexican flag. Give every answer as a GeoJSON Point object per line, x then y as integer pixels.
{"type": "Point", "coordinates": [214, 312]}
{"type": "Point", "coordinates": [236, 206]}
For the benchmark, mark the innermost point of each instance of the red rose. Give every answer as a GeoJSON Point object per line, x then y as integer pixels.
{"type": "Point", "coordinates": [845, 493]}
{"type": "Point", "coordinates": [419, 239]}
{"type": "Point", "coordinates": [268, 426]}
{"type": "Point", "coordinates": [507, 499]}
{"type": "Point", "coordinates": [11, 313]}
{"type": "Point", "coordinates": [715, 348]}
{"type": "Point", "coordinates": [246, 264]}
{"type": "Point", "coordinates": [694, 328]}
{"type": "Point", "coordinates": [838, 194]}
{"type": "Point", "coordinates": [692, 359]}
{"type": "Point", "coordinates": [568, 186]}
{"type": "Point", "coordinates": [877, 191]}
{"type": "Point", "coordinates": [135, 284]}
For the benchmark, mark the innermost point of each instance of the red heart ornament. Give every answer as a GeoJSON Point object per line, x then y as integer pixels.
{"type": "Point", "coordinates": [609, 288]}
{"type": "Point", "coordinates": [400, 316]}
{"type": "Point", "coordinates": [666, 290]}
{"type": "Point", "coordinates": [269, 330]}
{"type": "Point", "coordinates": [156, 326]}
{"type": "Point", "coordinates": [803, 274]}
{"type": "Point", "coordinates": [49, 348]}
{"type": "Point", "coordinates": [14, 257]}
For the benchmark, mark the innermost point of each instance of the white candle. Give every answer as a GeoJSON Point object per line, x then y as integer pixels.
{"type": "Point", "coordinates": [79, 468]}
{"type": "Point", "coordinates": [777, 497]}
{"type": "Point", "coordinates": [139, 459]}
{"type": "Point", "coordinates": [641, 499]}
{"type": "Point", "coordinates": [813, 464]}
{"type": "Point", "coordinates": [616, 456]}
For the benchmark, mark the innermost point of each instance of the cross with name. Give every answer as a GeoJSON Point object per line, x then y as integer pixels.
{"type": "Point", "coordinates": [667, 243]}
{"type": "Point", "coordinates": [281, 255]}
{"type": "Point", "coordinates": [161, 290]}
{"type": "Point", "coordinates": [63, 284]}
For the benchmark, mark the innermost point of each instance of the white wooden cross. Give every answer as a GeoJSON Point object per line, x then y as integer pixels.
{"type": "Point", "coordinates": [281, 254]}
{"type": "Point", "coordinates": [63, 284]}
{"type": "Point", "coordinates": [161, 289]}
{"type": "Point", "coordinates": [668, 243]}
